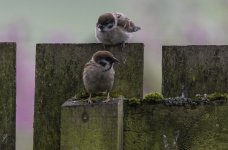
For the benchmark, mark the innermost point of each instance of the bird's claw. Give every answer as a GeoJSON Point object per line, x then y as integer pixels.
{"type": "Point", "coordinates": [106, 101]}
{"type": "Point", "coordinates": [89, 101]}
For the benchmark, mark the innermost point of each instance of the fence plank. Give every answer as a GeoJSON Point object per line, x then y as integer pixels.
{"type": "Point", "coordinates": [194, 70]}
{"type": "Point", "coordinates": [59, 76]}
{"type": "Point", "coordinates": [7, 95]}
{"type": "Point", "coordinates": [157, 126]}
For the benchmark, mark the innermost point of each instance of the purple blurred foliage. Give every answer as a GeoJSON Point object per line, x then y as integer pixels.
{"type": "Point", "coordinates": [59, 37]}
{"type": "Point", "coordinates": [17, 31]}
{"type": "Point", "coordinates": [196, 34]}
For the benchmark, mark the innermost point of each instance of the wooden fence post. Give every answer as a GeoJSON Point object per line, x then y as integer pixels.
{"type": "Point", "coordinates": [59, 77]}
{"type": "Point", "coordinates": [194, 70]}
{"type": "Point", "coordinates": [92, 126]}
{"type": "Point", "coordinates": [7, 95]}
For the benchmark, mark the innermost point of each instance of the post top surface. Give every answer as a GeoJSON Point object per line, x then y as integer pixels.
{"type": "Point", "coordinates": [90, 44]}
{"type": "Point", "coordinates": [72, 102]}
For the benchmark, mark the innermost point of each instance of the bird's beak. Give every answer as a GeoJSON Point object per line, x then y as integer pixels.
{"type": "Point", "coordinates": [100, 28]}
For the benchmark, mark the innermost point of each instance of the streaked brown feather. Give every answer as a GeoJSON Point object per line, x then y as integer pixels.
{"type": "Point", "coordinates": [125, 23]}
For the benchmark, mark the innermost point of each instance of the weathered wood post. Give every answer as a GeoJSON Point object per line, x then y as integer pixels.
{"type": "Point", "coordinates": [92, 126]}
{"type": "Point", "coordinates": [7, 95]}
{"type": "Point", "coordinates": [194, 70]}
{"type": "Point", "coordinates": [59, 77]}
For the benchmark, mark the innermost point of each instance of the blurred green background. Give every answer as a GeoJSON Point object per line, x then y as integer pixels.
{"type": "Point", "coordinates": [163, 22]}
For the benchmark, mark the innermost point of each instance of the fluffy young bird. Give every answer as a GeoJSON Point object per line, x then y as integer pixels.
{"type": "Point", "coordinates": [98, 74]}
{"type": "Point", "coordinates": [114, 28]}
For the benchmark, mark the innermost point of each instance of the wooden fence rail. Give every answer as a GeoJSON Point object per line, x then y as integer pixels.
{"type": "Point", "coordinates": [118, 125]}
{"type": "Point", "coordinates": [187, 126]}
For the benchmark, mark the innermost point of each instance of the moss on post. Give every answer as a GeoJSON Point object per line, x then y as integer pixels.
{"type": "Point", "coordinates": [7, 95]}
{"type": "Point", "coordinates": [194, 70]}
{"type": "Point", "coordinates": [157, 126]}
{"type": "Point", "coordinates": [59, 76]}
{"type": "Point", "coordinates": [95, 126]}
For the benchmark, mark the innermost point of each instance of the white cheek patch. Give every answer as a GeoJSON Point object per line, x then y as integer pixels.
{"type": "Point", "coordinates": [99, 29]}
{"type": "Point", "coordinates": [105, 62]}
{"type": "Point", "coordinates": [106, 29]}
{"type": "Point", "coordinates": [109, 29]}
{"type": "Point", "coordinates": [108, 66]}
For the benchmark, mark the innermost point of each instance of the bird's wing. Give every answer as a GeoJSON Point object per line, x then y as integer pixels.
{"type": "Point", "coordinates": [87, 65]}
{"type": "Point", "coordinates": [90, 64]}
{"type": "Point", "coordinates": [125, 23]}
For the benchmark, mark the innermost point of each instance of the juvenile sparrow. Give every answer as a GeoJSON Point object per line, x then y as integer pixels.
{"type": "Point", "coordinates": [98, 74]}
{"type": "Point", "coordinates": [114, 28]}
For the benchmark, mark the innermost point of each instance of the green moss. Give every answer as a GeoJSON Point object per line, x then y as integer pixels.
{"type": "Point", "coordinates": [115, 94]}
{"type": "Point", "coordinates": [218, 96]}
{"type": "Point", "coordinates": [198, 97]}
{"type": "Point", "coordinates": [81, 95]}
{"type": "Point", "coordinates": [153, 97]}
{"type": "Point", "coordinates": [133, 101]}
{"type": "Point", "coordinates": [149, 98]}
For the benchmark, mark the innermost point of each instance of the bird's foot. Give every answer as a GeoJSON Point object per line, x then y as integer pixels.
{"type": "Point", "coordinates": [107, 100]}
{"type": "Point", "coordinates": [89, 101]}
{"type": "Point", "coordinates": [74, 97]}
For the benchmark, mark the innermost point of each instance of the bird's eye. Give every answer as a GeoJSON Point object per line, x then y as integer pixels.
{"type": "Point", "coordinates": [103, 63]}
{"type": "Point", "coordinates": [110, 26]}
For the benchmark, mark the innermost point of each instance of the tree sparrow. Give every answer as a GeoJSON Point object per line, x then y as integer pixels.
{"type": "Point", "coordinates": [98, 74]}
{"type": "Point", "coordinates": [114, 28]}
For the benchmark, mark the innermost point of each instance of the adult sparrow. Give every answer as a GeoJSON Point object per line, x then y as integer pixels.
{"type": "Point", "coordinates": [98, 74]}
{"type": "Point", "coordinates": [114, 28]}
